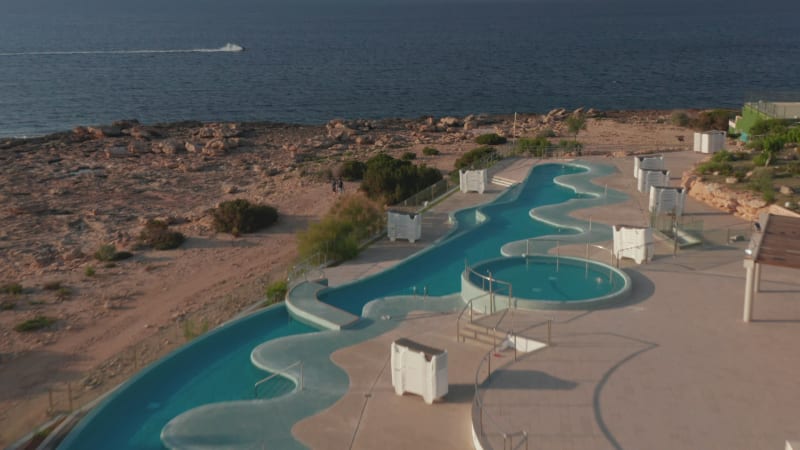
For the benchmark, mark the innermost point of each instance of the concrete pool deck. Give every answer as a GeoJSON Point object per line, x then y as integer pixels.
{"type": "Point", "coordinates": [672, 367]}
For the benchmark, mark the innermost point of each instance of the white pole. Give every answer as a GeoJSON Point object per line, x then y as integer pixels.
{"type": "Point", "coordinates": [748, 290]}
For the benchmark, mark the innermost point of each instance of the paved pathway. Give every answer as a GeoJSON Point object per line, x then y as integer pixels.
{"type": "Point", "coordinates": [672, 368]}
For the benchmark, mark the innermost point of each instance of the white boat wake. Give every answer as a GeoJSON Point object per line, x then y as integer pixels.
{"type": "Point", "coordinates": [229, 47]}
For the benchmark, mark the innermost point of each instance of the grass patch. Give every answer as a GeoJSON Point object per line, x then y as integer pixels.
{"type": "Point", "coordinates": [192, 330]}
{"type": "Point", "coordinates": [276, 292]}
{"type": "Point", "coordinates": [35, 324]}
{"type": "Point", "coordinates": [11, 289]}
{"type": "Point", "coordinates": [7, 305]}
{"type": "Point", "coordinates": [430, 151]}
{"type": "Point", "coordinates": [63, 293]}
{"type": "Point", "coordinates": [89, 271]}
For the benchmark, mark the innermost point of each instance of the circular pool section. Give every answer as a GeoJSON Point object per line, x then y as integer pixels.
{"type": "Point", "coordinates": [544, 282]}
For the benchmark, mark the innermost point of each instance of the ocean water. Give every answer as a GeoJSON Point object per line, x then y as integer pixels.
{"type": "Point", "coordinates": [72, 62]}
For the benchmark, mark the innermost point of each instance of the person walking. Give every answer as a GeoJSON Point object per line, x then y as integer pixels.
{"type": "Point", "coordinates": [341, 185]}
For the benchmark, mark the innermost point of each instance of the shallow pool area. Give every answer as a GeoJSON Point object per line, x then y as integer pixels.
{"type": "Point", "coordinates": [546, 282]}
{"type": "Point", "coordinates": [202, 394]}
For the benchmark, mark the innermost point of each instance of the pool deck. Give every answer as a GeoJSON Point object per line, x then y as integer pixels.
{"type": "Point", "coordinates": [674, 367]}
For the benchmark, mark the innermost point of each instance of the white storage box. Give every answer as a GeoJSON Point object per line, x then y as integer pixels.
{"type": "Point", "coordinates": [419, 369]}
{"type": "Point", "coordinates": [667, 200]}
{"type": "Point", "coordinates": [472, 180]}
{"type": "Point", "coordinates": [709, 141]}
{"type": "Point", "coordinates": [635, 243]}
{"type": "Point", "coordinates": [651, 162]}
{"type": "Point", "coordinates": [650, 177]}
{"type": "Point", "coordinates": [403, 225]}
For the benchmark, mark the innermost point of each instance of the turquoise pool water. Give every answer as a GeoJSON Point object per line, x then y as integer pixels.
{"type": "Point", "coordinates": [540, 278]}
{"type": "Point", "coordinates": [214, 368]}
{"type": "Point", "coordinates": [439, 267]}
{"type": "Point", "coordinates": [217, 367]}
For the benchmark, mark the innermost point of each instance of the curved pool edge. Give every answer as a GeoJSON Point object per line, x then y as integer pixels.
{"type": "Point", "coordinates": [470, 290]}
{"type": "Point", "coordinates": [242, 425]}
{"type": "Point", "coordinates": [558, 215]}
{"type": "Point", "coordinates": [76, 433]}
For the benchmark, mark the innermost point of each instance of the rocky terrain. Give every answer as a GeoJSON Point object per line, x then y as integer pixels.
{"type": "Point", "coordinates": [64, 195]}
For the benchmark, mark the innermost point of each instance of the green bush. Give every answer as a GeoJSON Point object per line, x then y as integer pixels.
{"type": "Point", "coordinates": [89, 271]}
{"type": "Point", "coordinates": [477, 158]}
{"type": "Point", "coordinates": [408, 156]}
{"type": "Point", "coordinates": [108, 252]}
{"type": "Point", "coordinates": [710, 167]}
{"type": "Point", "coordinates": [11, 288]}
{"type": "Point", "coordinates": [351, 220]}
{"type": "Point", "coordinates": [770, 126]}
{"type": "Point", "coordinates": [6, 305]}
{"type": "Point", "coordinates": [490, 139]}
{"type": "Point", "coordinates": [353, 170]}
{"type": "Point", "coordinates": [156, 234]}
{"type": "Point", "coordinates": [570, 146]}
{"type": "Point", "coordinates": [546, 133]}
{"type": "Point", "coordinates": [37, 323]}
{"type": "Point", "coordinates": [392, 180]}
{"type": "Point", "coordinates": [240, 216]}
{"type": "Point", "coordinates": [276, 292]}
{"type": "Point", "coordinates": [430, 151]}
{"type": "Point", "coordinates": [716, 119]}
{"type": "Point", "coordinates": [723, 156]}
{"type": "Point", "coordinates": [537, 147]}
{"type": "Point", "coordinates": [761, 181]}
{"type": "Point", "coordinates": [52, 285]}
{"type": "Point", "coordinates": [679, 118]}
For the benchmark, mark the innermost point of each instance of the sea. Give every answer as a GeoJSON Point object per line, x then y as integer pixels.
{"type": "Point", "coordinates": [65, 63]}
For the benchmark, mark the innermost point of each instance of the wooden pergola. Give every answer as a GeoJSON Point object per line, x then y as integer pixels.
{"type": "Point", "coordinates": [775, 242]}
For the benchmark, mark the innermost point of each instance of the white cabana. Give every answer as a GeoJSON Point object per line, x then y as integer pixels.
{"type": "Point", "coordinates": [651, 177]}
{"type": "Point", "coordinates": [633, 242]}
{"type": "Point", "coordinates": [667, 200]}
{"type": "Point", "coordinates": [472, 180]}
{"type": "Point", "coordinates": [404, 225]}
{"type": "Point", "coordinates": [709, 141]}
{"type": "Point", "coordinates": [419, 369]}
{"type": "Point", "coordinates": [651, 162]}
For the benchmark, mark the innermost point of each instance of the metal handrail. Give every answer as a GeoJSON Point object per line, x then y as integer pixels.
{"type": "Point", "coordinates": [281, 372]}
{"type": "Point", "coordinates": [479, 405]}
{"type": "Point", "coordinates": [299, 272]}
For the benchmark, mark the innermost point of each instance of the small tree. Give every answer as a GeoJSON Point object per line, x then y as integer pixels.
{"type": "Point", "coordinates": [576, 123]}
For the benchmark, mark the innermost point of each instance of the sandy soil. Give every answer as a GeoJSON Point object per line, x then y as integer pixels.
{"type": "Point", "coordinates": [137, 310]}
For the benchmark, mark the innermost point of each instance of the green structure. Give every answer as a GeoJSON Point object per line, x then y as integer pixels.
{"type": "Point", "coordinates": [755, 111]}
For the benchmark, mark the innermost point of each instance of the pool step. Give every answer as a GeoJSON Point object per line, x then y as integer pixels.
{"type": "Point", "coordinates": [479, 334]}
{"type": "Point", "coordinates": [502, 181]}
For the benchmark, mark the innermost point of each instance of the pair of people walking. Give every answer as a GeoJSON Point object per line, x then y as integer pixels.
{"type": "Point", "coordinates": [337, 185]}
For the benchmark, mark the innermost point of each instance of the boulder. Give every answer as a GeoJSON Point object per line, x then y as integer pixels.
{"type": "Point", "coordinates": [169, 147]}
{"type": "Point", "coordinates": [446, 122]}
{"type": "Point", "coordinates": [138, 147]}
{"type": "Point", "coordinates": [191, 147]}
{"type": "Point", "coordinates": [786, 190]}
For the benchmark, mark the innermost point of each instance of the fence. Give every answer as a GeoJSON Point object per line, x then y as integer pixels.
{"type": "Point", "coordinates": [426, 196]}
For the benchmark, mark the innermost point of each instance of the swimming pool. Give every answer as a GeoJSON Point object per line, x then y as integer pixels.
{"type": "Point", "coordinates": [217, 367]}
{"type": "Point", "coordinates": [546, 282]}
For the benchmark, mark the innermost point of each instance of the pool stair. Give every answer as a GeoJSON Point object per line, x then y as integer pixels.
{"type": "Point", "coordinates": [491, 330]}
{"type": "Point", "coordinates": [502, 181]}
{"type": "Point", "coordinates": [304, 306]}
